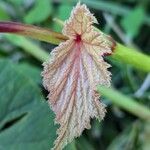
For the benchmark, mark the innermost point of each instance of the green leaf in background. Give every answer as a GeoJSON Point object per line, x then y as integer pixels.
{"type": "Point", "coordinates": [83, 144]}
{"type": "Point", "coordinates": [39, 12]}
{"type": "Point", "coordinates": [134, 137]}
{"type": "Point", "coordinates": [16, 2]}
{"type": "Point", "coordinates": [133, 21]}
{"type": "Point", "coordinates": [31, 71]}
{"type": "Point", "coordinates": [145, 136]}
{"type": "Point", "coordinates": [26, 122]}
{"type": "Point", "coordinates": [71, 146]}
{"type": "Point", "coordinates": [62, 13]}
{"type": "Point", "coordinates": [127, 140]}
{"type": "Point", "coordinates": [4, 14]}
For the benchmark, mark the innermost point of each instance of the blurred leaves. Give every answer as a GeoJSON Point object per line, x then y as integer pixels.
{"type": "Point", "coordinates": [39, 12]}
{"type": "Point", "coordinates": [145, 136]}
{"type": "Point", "coordinates": [134, 137]}
{"type": "Point", "coordinates": [133, 21]}
{"type": "Point", "coordinates": [62, 13]}
{"type": "Point", "coordinates": [26, 121]}
{"type": "Point", "coordinates": [126, 140]}
{"type": "Point", "coordinates": [83, 144]}
{"type": "Point", "coordinates": [16, 2]}
{"type": "Point", "coordinates": [3, 14]}
{"type": "Point", "coordinates": [31, 71]}
{"type": "Point", "coordinates": [28, 46]}
{"type": "Point", "coordinates": [114, 7]}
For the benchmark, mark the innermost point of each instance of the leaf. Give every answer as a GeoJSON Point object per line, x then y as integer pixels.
{"type": "Point", "coordinates": [133, 21]}
{"type": "Point", "coordinates": [26, 122]}
{"type": "Point", "coordinates": [62, 13]}
{"type": "Point", "coordinates": [112, 7]}
{"type": "Point", "coordinates": [145, 136]}
{"type": "Point", "coordinates": [16, 2]}
{"type": "Point", "coordinates": [71, 75]}
{"type": "Point", "coordinates": [3, 14]}
{"type": "Point", "coordinates": [83, 144]}
{"type": "Point", "coordinates": [127, 140]}
{"type": "Point", "coordinates": [71, 146]}
{"type": "Point", "coordinates": [39, 12]}
{"type": "Point", "coordinates": [31, 71]}
{"type": "Point", "coordinates": [134, 137]}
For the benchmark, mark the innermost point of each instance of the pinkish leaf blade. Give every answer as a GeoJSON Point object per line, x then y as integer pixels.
{"type": "Point", "coordinates": [73, 73]}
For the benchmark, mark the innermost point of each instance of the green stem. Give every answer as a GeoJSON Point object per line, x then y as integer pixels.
{"type": "Point", "coordinates": [125, 102]}
{"type": "Point", "coordinates": [132, 57]}
{"type": "Point", "coordinates": [29, 47]}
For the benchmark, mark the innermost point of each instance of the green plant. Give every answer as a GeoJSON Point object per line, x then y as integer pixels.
{"type": "Point", "coordinates": [121, 53]}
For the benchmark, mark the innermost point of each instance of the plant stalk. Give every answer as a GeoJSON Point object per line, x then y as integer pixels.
{"type": "Point", "coordinates": [125, 102]}
{"type": "Point", "coordinates": [132, 57]}
{"type": "Point", "coordinates": [28, 46]}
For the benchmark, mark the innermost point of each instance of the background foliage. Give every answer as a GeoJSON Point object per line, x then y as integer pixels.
{"type": "Point", "coordinates": [26, 122]}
